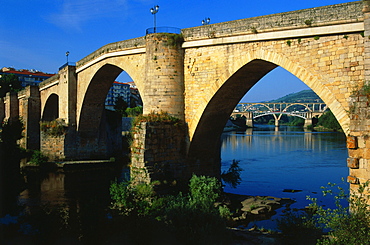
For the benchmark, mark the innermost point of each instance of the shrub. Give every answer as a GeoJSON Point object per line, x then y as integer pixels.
{"type": "Point", "coordinates": [157, 117]}
{"type": "Point", "coordinates": [131, 199]}
{"type": "Point", "coordinates": [346, 225]}
{"type": "Point", "coordinates": [204, 192]}
{"type": "Point", "coordinates": [133, 112]}
{"type": "Point", "coordinates": [192, 218]}
{"type": "Point", "coordinates": [54, 128]}
{"type": "Point", "coordinates": [328, 121]}
{"type": "Point", "coordinates": [38, 158]}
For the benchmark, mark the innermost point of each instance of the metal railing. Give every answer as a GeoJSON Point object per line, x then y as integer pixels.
{"type": "Point", "coordinates": [67, 64]}
{"type": "Point", "coordinates": [163, 29]}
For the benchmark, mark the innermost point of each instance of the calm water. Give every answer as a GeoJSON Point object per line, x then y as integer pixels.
{"type": "Point", "coordinates": [288, 158]}
{"type": "Point", "coordinates": [272, 161]}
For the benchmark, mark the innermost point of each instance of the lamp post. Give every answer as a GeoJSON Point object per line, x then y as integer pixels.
{"type": "Point", "coordinates": [206, 21]}
{"type": "Point", "coordinates": [67, 53]}
{"type": "Point", "coordinates": [154, 10]}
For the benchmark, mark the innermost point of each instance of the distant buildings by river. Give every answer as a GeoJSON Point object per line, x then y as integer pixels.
{"type": "Point", "coordinates": [127, 91]}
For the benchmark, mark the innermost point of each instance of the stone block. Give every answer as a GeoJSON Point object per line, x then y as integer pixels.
{"type": "Point", "coordinates": [353, 163]}
{"type": "Point", "coordinates": [353, 180]}
{"type": "Point", "coordinates": [352, 142]}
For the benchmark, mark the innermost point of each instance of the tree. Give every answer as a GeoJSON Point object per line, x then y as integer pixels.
{"type": "Point", "coordinates": [9, 83]}
{"type": "Point", "coordinates": [328, 120]}
{"type": "Point", "coordinates": [121, 106]}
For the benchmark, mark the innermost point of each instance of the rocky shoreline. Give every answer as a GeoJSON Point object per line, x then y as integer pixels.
{"type": "Point", "coordinates": [246, 208]}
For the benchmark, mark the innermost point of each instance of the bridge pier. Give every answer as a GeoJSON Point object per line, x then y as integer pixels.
{"type": "Point", "coordinates": [164, 80]}
{"type": "Point", "coordinates": [158, 152]}
{"type": "Point", "coordinates": [309, 120]}
{"type": "Point", "coordinates": [249, 119]}
{"type": "Point", "coordinates": [358, 145]}
{"type": "Point", "coordinates": [29, 100]}
{"type": "Point", "coordinates": [158, 148]}
{"type": "Point", "coordinates": [11, 106]}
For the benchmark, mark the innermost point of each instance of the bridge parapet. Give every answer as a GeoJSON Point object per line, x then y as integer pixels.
{"type": "Point", "coordinates": [113, 47]}
{"type": "Point", "coordinates": [49, 81]}
{"type": "Point", "coordinates": [315, 17]}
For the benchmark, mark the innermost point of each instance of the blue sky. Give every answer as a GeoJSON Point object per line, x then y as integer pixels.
{"type": "Point", "coordinates": [35, 34]}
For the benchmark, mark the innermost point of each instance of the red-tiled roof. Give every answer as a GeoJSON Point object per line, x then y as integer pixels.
{"type": "Point", "coordinates": [27, 72]}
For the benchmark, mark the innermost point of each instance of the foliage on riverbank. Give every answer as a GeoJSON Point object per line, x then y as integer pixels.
{"type": "Point", "coordinates": [191, 218]}
{"type": "Point", "coordinates": [345, 225]}
{"type": "Point", "coordinates": [328, 122]}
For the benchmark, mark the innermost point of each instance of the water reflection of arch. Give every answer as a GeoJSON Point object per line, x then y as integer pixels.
{"type": "Point", "coordinates": [51, 110]}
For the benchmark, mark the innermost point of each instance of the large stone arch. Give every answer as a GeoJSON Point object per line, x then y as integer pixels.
{"type": "Point", "coordinates": [231, 84]}
{"type": "Point", "coordinates": [204, 149]}
{"type": "Point", "coordinates": [310, 78]}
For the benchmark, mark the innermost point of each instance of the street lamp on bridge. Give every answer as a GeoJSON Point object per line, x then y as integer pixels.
{"type": "Point", "coordinates": [206, 21]}
{"type": "Point", "coordinates": [67, 53]}
{"type": "Point", "coordinates": [154, 10]}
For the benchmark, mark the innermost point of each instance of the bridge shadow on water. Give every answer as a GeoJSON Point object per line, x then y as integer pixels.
{"type": "Point", "coordinates": [58, 205]}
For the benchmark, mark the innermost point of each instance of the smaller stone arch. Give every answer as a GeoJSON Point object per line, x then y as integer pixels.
{"type": "Point", "coordinates": [51, 109]}
{"type": "Point", "coordinates": [93, 101]}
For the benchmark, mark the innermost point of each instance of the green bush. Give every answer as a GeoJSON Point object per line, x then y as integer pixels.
{"type": "Point", "coordinates": [131, 199]}
{"type": "Point", "coordinates": [135, 111]}
{"type": "Point", "coordinates": [204, 192]}
{"type": "Point", "coordinates": [54, 128]}
{"type": "Point", "coordinates": [192, 218]}
{"type": "Point", "coordinates": [328, 120]}
{"type": "Point", "coordinates": [346, 225]}
{"type": "Point", "coordinates": [38, 158]}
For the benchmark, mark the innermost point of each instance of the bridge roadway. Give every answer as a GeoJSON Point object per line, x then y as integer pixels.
{"type": "Point", "coordinates": [306, 111]}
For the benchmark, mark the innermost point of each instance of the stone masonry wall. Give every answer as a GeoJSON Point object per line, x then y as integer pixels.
{"type": "Point", "coordinates": [53, 146]}
{"type": "Point", "coordinates": [157, 152]}
{"type": "Point", "coordinates": [327, 15]}
{"type": "Point", "coordinates": [358, 141]}
{"type": "Point", "coordinates": [333, 66]}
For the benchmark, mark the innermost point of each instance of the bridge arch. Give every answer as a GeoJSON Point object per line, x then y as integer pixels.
{"type": "Point", "coordinates": [51, 109]}
{"type": "Point", "coordinates": [312, 78]}
{"type": "Point", "coordinates": [105, 71]}
{"type": "Point", "coordinates": [93, 101]}
{"type": "Point", "coordinates": [232, 83]}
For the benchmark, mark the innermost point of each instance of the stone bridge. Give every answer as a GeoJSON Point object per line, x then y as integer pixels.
{"type": "Point", "coordinates": [201, 80]}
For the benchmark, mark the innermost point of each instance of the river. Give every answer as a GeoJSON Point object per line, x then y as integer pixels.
{"type": "Point", "coordinates": [274, 159]}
